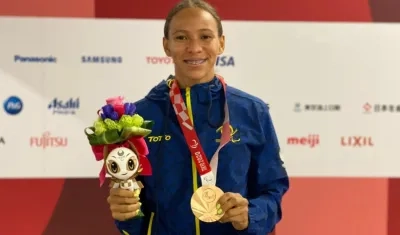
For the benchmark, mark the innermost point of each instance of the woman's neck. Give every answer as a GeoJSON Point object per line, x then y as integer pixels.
{"type": "Point", "coordinates": [185, 82]}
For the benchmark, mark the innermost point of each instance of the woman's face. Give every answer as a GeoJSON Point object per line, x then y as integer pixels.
{"type": "Point", "coordinates": [194, 44]}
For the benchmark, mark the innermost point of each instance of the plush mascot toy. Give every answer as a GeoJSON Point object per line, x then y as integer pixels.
{"type": "Point", "coordinates": [117, 138]}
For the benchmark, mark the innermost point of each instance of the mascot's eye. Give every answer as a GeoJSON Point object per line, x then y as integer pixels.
{"type": "Point", "coordinates": [131, 164]}
{"type": "Point", "coordinates": [114, 167]}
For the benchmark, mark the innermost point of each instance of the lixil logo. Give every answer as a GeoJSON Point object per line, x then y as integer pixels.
{"type": "Point", "coordinates": [356, 141]}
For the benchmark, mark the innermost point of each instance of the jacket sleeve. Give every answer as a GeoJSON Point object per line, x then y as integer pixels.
{"type": "Point", "coordinates": [131, 227]}
{"type": "Point", "coordinates": [268, 180]}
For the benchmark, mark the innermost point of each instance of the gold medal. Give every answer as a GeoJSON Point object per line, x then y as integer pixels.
{"type": "Point", "coordinates": [204, 203]}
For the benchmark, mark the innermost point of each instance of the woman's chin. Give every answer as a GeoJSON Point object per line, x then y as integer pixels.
{"type": "Point", "coordinates": [198, 76]}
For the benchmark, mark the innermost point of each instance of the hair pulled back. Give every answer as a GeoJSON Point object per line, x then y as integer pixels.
{"type": "Point", "coordinates": [192, 4]}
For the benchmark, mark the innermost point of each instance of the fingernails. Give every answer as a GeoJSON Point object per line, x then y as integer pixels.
{"type": "Point", "coordinates": [219, 212]}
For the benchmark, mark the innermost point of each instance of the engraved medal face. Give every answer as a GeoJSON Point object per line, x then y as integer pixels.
{"type": "Point", "coordinates": [204, 203]}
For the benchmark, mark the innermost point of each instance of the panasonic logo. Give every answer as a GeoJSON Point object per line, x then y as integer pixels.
{"type": "Point", "coordinates": [102, 59]}
{"type": "Point", "coordinates": [34, 59]}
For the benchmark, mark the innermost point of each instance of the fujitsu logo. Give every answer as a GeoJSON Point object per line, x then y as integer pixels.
{"type": "Point", "coordinates": [310, 140]}
{"type": "Point", "coordinates": [48, 141]}
{"type": "Point", "coordinates": [356, 141]}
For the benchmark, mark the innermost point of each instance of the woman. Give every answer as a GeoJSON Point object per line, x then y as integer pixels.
{"type": "Point", "coordinates": [250, 171]}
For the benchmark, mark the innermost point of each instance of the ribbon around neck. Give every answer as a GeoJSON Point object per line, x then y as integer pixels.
{"type": "Point", "coordinates": [207, 170]}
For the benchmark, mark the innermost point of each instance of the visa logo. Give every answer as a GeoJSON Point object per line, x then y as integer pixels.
{"type": "Point", "coordinates": [64, 107]}
{"type": "Point", "coordinates": [102, 59]}
{"type": "Point", "coordinates": [225, 61]}
{"type": "Point", "coordinates": [34, 59]}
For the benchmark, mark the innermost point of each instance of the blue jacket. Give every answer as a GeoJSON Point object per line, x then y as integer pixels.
{"type": "Point", "coordinates": [250, 164]}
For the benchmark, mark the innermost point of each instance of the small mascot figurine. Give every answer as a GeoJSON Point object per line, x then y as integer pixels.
{"type": "Point", "coordinates": [117, 137]}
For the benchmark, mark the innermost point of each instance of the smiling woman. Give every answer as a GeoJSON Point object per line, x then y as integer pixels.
{"type": "Point", "coordinates": [246, 196]}
{"type": "Point", "coordinates": [193, 37]}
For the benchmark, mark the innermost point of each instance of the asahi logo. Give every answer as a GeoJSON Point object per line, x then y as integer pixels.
{"type": "Point", "coordinates": [310, 140]}
{"type": "Point", "coordinates": [356, 141]}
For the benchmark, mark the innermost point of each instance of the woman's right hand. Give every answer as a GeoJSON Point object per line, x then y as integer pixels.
{"type": "Point", "coordinates": [123, 204]}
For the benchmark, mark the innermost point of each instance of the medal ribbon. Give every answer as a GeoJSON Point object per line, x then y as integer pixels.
{"type": "Point", "coordinates": [207, 171]}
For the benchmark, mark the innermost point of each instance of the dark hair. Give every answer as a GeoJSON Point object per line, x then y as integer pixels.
{"type": "Point", "coordinates": [192, 4]}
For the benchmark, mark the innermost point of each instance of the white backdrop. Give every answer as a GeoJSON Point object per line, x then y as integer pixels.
{"type": "Point", "coordinates": [282, 63]}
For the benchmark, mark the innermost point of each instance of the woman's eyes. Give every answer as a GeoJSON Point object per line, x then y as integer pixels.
{"type": "Point", "coordinates": [204, 37]}
{"type": "Point", "coordinates": [180, 38]}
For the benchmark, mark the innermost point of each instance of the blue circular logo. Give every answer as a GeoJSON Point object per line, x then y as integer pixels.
{"type": "Point", "coordinates": [13, 105]}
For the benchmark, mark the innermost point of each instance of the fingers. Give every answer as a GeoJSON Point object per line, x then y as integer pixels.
{"type": "Point", "coordinates": [230, 200]}
{"type": "Point", "coordinates": [122, 196]}
{"type": "Point", "coordinates": [123, 204]}
{"type": "Point", "coordinates": [121, 192]}
{"type": "Point", "coordinates": [240, 225]}
{"type": "Point", "coordinates": [236, 214]}
{"type": "Point", "coordinates": [124, 208]}
{"type": "Point", "coordinates": [122, 200]}
{"type": "Point", "coordinates": [124, 216]}
{"type": "Point", "coordinates": [236, 208]}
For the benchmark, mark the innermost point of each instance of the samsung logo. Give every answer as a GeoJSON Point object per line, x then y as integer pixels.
{"type": "Point", "coordinates": [102, 59]}
{"type": "Point", "coordinates": [34, 59]}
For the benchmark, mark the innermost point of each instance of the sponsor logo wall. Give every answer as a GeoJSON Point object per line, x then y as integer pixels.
{"type": "Point", "coordinates": [63, 92]}
{"type": "Point", "coordinates": [332, 90]}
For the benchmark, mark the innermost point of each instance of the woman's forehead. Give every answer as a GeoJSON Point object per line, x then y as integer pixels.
{"type": "Point", "coordinates": [193, 19]}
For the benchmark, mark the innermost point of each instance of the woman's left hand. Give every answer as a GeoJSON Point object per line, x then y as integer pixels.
{"type": "Point", "coordinates": [236, 210]}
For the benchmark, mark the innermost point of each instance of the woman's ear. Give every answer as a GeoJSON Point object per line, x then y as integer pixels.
{"type": "Point", "coordinates": [221, 45]}
{"type": "Point", "coordinates": [166, 48]}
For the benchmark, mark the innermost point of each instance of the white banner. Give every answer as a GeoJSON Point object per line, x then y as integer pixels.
{"type": "Point", "coordinates": [332, 89]}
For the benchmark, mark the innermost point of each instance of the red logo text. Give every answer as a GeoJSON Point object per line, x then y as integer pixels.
{"type": "Point", "coordinates": [356, 141]}
{"type": "Point", "coordinates": [159, 60]}
{"type": "Point", "coordinates": [48, 141]}
{"type": "Point", "coordinates": [310, 140]}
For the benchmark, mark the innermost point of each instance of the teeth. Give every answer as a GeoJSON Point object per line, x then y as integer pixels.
{"type": "Point", "coordinates": [194, 61]}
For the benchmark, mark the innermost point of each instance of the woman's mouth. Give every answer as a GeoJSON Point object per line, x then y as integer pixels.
{"type": "Point", "coordinates": [195, 61]}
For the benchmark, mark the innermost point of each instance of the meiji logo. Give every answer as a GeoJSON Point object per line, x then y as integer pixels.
{"type": "Point", "coordinates": [48, 141]}
{"type": "Point", "coordinates": [310, 140]}
{"type": "Point", "coordinates": [159, 60]}
{"type": "Point", "coordinates": [64, 107]}
{"type": "Point", "coordinates": [34, 59]}
{"type": "Point", "coordinates": [13, 105]}
{"type": "Point", "coordinates": [225, 61]}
